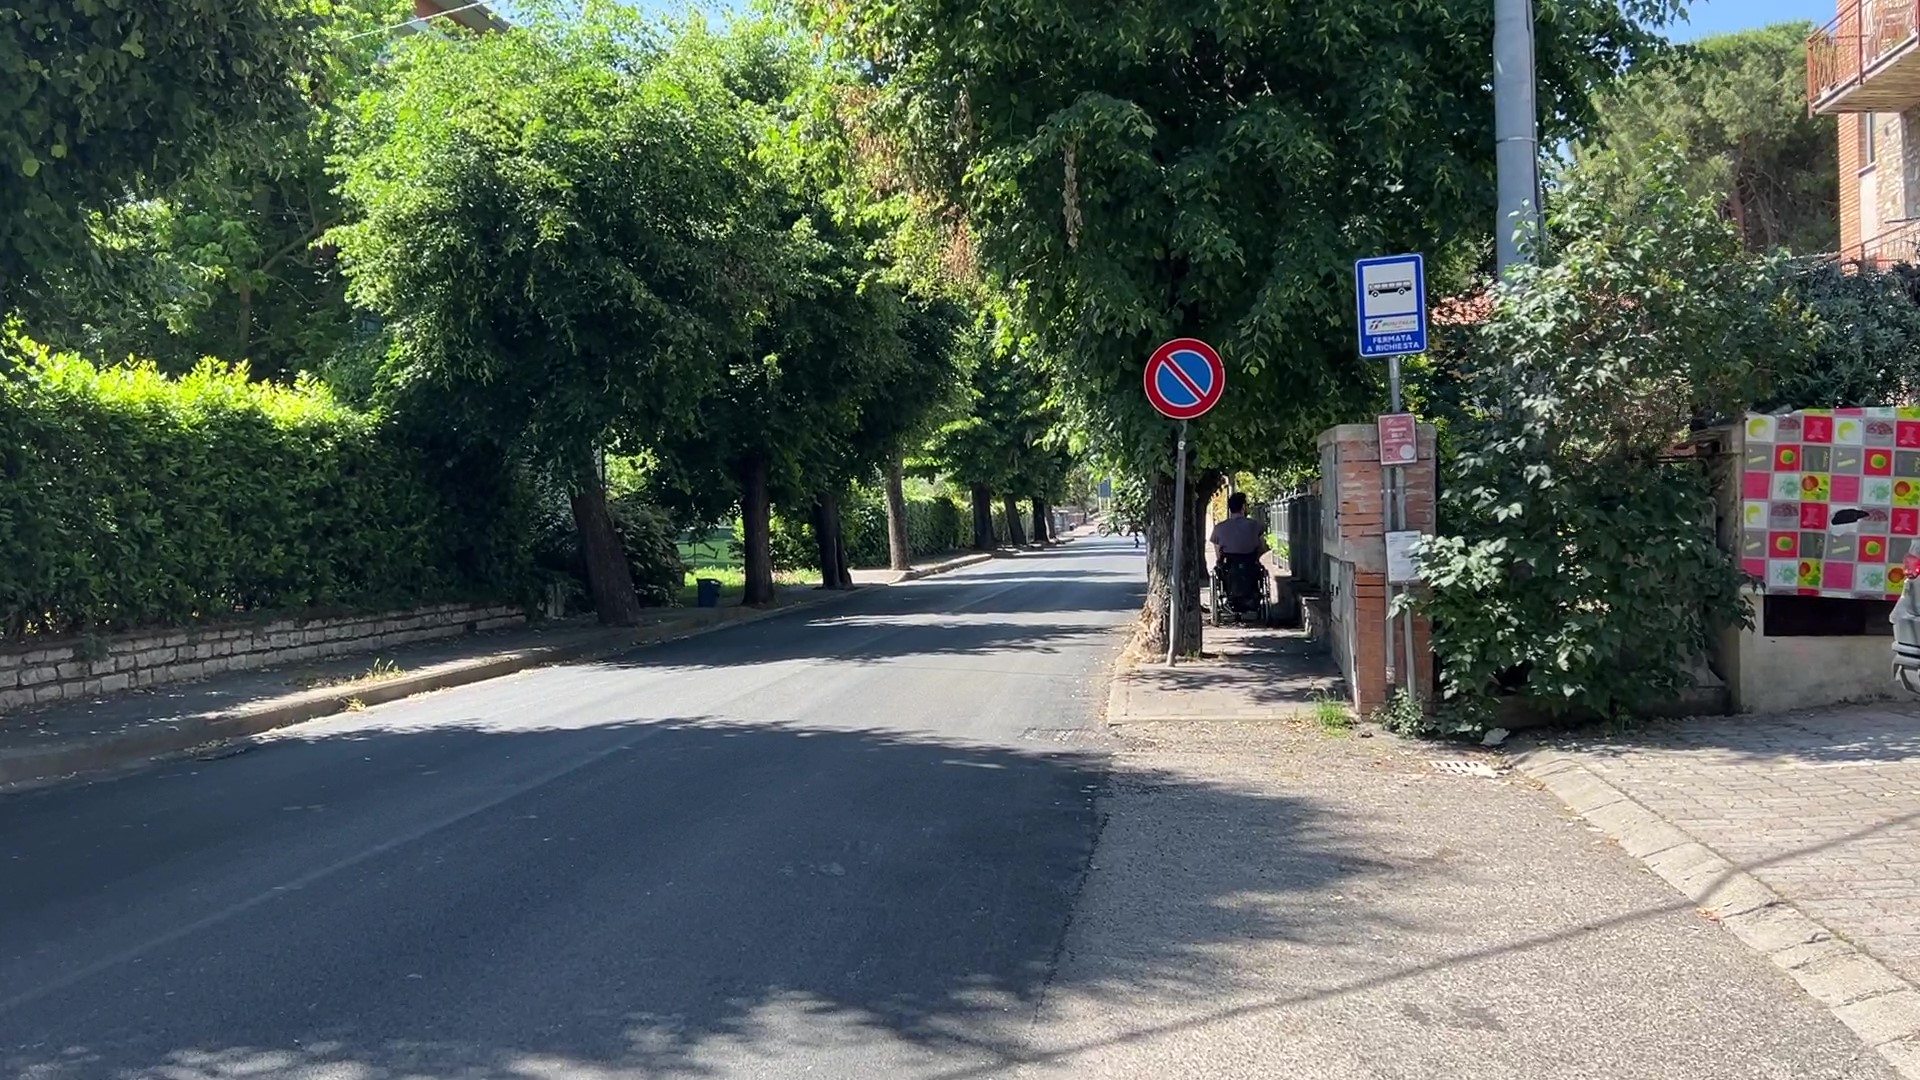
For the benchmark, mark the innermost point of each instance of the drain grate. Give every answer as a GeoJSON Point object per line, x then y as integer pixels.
{"type": "Point", "coordinates": [1469, 768]}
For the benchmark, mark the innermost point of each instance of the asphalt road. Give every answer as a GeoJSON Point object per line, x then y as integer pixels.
{"type": "Point", "coordinates": [843, 843]}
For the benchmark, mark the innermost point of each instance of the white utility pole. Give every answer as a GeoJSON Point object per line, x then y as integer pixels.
{"type": "Point", "coordinates": [1515, 129]}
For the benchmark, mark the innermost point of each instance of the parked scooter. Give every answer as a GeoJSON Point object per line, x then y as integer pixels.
{"type": "Point", "coordinates": [1906, 628]}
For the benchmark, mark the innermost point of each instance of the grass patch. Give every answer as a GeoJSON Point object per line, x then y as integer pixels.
{"type": "Point", "coordinates": [380, 671]}
{"type": "Point", "coordinates": [733, 583]}
{"type": "Point", "coordinates": [710, 552]}
{"type": "Point", "coordinates": [1332, 715]}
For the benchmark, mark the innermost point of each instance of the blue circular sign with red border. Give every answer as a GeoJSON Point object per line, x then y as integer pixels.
{"type": "Point", "coordinates": [1185, 378]}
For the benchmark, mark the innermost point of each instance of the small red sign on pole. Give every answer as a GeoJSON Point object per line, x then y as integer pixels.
{"type": "Point", "coordinates": [1399, 439]}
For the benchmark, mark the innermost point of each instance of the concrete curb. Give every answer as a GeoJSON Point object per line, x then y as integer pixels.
{"type": "Point", "coordinates": [943, 567]}
{"type": "Point", "coordinates": [206, 730]}
{"type": "Point", "coordinates": [1877, 1005]}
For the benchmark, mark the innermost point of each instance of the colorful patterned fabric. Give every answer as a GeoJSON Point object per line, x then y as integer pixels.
{"type": "Point", "coordinates": [1831, 501]}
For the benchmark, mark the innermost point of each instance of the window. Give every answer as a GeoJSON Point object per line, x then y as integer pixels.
{"type": "Point", "coordinates": [1868, 140]}
{"type": "Point", "coordinates": [1820, 616]}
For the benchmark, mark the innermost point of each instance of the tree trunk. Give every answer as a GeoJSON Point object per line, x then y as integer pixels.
{"type": "Point", "coordinates": [609, 578]}
{"type": "Point", "coordinates": [756, 519]}
{"type": "Point", "coordinates": [243, 326]}
{"type": "Point", "coordinates": [1016, 535]}
{"type": "Point", "coordinates": [899, 540]}
{"type": "Point", "coordinates": [1042, 528]}
{"type": "Point", "coordinates": [840, 548]}
{"type": "Point", "coordinates": [824, 556]}
{"type": "Point", "coordinates": [1152, 636]}
{"type": "Point", "coordinates": [983, 539]}
{"type": "Point", "coordinates": [831, 542]}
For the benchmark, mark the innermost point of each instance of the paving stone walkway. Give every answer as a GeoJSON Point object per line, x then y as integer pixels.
{"type": "Point", "coordinates": [1822, 807]}
{"type": "Point", "coordinates": [1358, 911]}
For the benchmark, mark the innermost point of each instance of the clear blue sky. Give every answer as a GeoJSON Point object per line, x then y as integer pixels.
{"type": "Point", "coordinates": [1720, 16]}
{"type": "Point", "coordinates": [1708, 16]}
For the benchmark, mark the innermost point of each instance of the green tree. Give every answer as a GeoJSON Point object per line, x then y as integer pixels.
{"type": "Point", "coordinates": [1000, 445]}
{"type": "Point", "coordinates": [1736, 105]}
{"type": "Point", "coordinates": [223, 261]}
{"type": "Point", "coordinates": [100, 97]}
{"type": "Point", "coordinates": [1146, 169]}
{"type": "Point", "coordinates": [1577, 566]}
{"type": "Point", "coordinates": [853, 167]}
{"type": "Point", "coordinates": [553, 225]}
{"type": "Point", "coordinates": [841, 364]}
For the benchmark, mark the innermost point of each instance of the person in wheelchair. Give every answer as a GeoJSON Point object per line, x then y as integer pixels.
{"type": "Point", "coordinates": [1238, 542]}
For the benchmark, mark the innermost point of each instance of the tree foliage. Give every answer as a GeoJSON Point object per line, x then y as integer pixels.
{"type": "Point", "coordinates": [1577, 564]}
{"type": "Point", "coordinates": [554, 225]}
{"type": "Point", "coordinates": [100, 97]}
{"type": "Point", "coordinates": [1736, 106]}
{"type": "Point", "coordinates": [843, 362]}
{"type": "Point", "coordinates": [1004, 439]}
{"type": "Point", "coordinates": [223, 260]}
{"type": "Point", "coordinates": [1154, 168]}
{"type": "Point", "coordinates": [1866, 348]}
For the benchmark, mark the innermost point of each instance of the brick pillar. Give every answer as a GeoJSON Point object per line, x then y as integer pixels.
{"type": "Point", "coordinates": [1354, 533]}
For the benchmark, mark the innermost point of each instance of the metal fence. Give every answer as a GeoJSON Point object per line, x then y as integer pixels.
{"type": "Point", "coordinates": [1296, 523]}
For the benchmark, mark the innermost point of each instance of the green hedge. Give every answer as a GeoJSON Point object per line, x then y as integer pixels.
{"type": "Point", "coordinates": [130, 499]}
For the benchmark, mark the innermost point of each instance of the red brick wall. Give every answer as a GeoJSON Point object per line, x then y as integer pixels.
{"type": "Point", "coordinates": [1355, 538]}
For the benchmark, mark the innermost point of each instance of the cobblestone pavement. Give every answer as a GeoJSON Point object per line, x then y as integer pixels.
{"type": "Point", "coordinates": [1822, 807]}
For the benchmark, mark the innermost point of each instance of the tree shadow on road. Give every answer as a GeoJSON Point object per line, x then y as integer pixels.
{"type": "Point", "coordinates": [662, 899]}
{"type": "Point", "coordinates": [1046, 575]}
{"type": "Point", "coordinates": [1244, 666]}
{"type": "Point", "coordinates": [961, 617]}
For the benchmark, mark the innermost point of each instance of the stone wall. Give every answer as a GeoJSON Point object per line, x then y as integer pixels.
{"type": "Point", "coordinates": [61, 670]}
{"type": "Point", "coordinates": [1353, 530]}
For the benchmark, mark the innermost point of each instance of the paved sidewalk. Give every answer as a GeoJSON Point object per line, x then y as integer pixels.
{"type": "Point", "coordinates": [42, 745]}
{"type": "Point", "coordinates": [1245, 674]}
{"type": "Point", "coordinates": [1354, 910]}
{"type": "Point", "coordinates": [1810, 822]}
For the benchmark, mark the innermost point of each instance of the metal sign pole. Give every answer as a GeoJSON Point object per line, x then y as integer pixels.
{"type": "Point", "coordinates": [1391, 298]}
{"type": "Point", "coordinates": [1396, 514]}
{"type": "Point", "coordinates": [1178, 571]}
{"type": "Point", "coordinates": [1400, 513]}
{"type": "Point", "coordinates": [1390, 476]}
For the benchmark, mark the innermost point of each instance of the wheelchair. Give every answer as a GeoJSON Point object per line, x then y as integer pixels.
{"type": "Point", "coordinates": [1240, 589]}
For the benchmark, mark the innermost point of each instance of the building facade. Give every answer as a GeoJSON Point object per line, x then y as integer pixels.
{"type": "Point", "coordinates": [1864, 69]}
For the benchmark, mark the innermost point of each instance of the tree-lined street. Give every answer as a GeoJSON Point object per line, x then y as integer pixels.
{"type": "Point", "coordinates": [555, 540]}
{"type": "Point", "coordinates": [890, 839]}
{"type": "Point", "coordinates": [843, 842]}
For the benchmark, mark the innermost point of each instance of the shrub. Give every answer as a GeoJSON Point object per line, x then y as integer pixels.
{"type": "Point", "coordinates": [131, 499]}
{"type": "Point", "coordinates": [1577, 566]}
{"type": "Point", "coordinates": [653, 553]}
{"type": "Point", "coordinates": [646, 532]}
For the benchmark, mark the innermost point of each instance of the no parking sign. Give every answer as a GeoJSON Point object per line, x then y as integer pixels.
{"type": "Point", "coordinates": [1185, 378]}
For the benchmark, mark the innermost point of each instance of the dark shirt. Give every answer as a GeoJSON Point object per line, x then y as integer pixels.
{"type": "Point", "coordinates": [1239, 535]}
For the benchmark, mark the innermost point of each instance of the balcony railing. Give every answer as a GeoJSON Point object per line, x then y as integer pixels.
{"type": "Point", "coordinates": [1866, 60]}
{"type": "Point", "coordinates": [1898, 245]}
